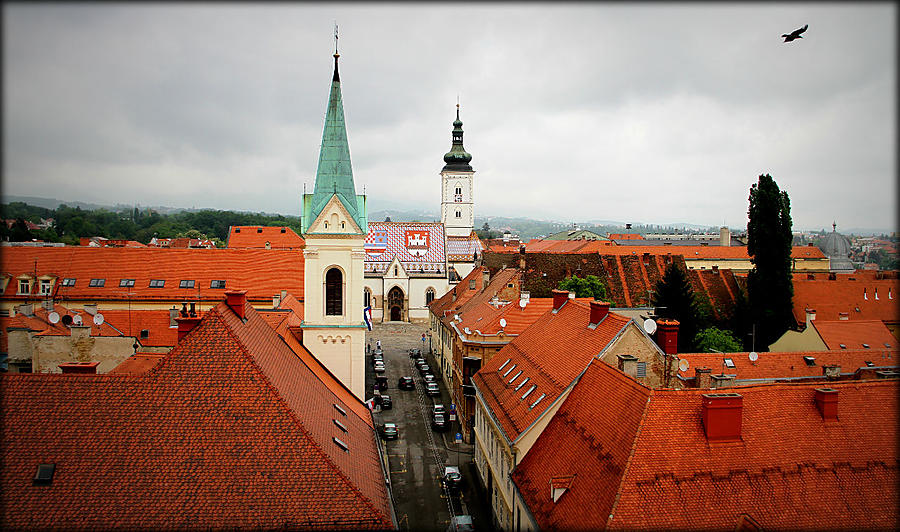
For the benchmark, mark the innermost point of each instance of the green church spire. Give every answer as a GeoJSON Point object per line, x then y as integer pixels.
{"type": "Point", "coordinates": [334, 175]}
{"type": "Point", "coordinates": [457, 158]}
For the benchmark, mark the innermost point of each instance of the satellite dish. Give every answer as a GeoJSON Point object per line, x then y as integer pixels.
{"type": "Point", "coordinates": [522, 303]}
{"type": "Point", "coordinates": [649, 326]}
{"type": "Point", "coordinates": [53, 317]}
{"type": "Point", "coordinates": [456, 317]}
{"type": "Point", "coordinates": [503, 322]}
{"type": "Point", "coordinates": [67, 320]}
{"type": "Point", "coordinates": [683, 365]}
{"type": "Point", "coordinates": [98, 319]}
{"type": "Point", "coordinates": [76, 319]}
{"type": "Point", "coordinates": [754, 356]}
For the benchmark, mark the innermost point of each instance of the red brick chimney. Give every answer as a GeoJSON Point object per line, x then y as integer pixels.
{"type": "Point", "coordinates": [186, 325]}
{"type": "Point", "coordinates": [722, 413]}
{"type": "Point", "coordinates": [236, 299]}
{"type": "Point", "coordinates": [559, 297]}
{"type": "Point", "coordinates": [599, 310]}
{"type": "Point", "coordinates": [79, 368]}
{"type": "Point", "coordinates": [827, 403]}
{"type": "Point", "coordinates": [702, 378]}
{"type": "Point", "coordinates": [667, 336]}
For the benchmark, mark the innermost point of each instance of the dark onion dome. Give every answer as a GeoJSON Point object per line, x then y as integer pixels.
{"type": "Point", "coordinates": [457, 158]}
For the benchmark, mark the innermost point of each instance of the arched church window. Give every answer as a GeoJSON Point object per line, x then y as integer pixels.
{"type": "Point", "coordinates": [429, 295]}
{"type": "Point", "coordinates": [342, 225]}
{"type": "Point", "coordinates": [459, 214]}
{"type": "Point", "coordinates": [334, 281]}
{"type": "Point", "coordinates": [367, 297]}
{"type": "Point", "coordinates": [326, 225]}
{"type": "Point", "coordinates": [396, 271]}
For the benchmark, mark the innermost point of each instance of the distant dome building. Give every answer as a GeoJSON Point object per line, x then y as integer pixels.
{"type": "Point", "coordinates": [836, 247]}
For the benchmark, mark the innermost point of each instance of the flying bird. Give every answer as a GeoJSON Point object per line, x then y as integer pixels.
{"type": "Point", "coordinates": [788, 37]}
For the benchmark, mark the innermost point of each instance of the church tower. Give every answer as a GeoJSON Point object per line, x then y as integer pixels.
{"type": "Point", "coordinates": [334, 225]}
{"type": "Point", "coordinates": [457, 186]}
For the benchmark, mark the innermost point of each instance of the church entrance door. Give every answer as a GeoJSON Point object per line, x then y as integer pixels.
{"type": "Point", "coordinates": [395, 303]}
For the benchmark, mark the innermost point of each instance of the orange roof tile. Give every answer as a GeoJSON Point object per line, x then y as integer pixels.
{"type": "Point", "coordinates": [853, 334]}
{"type": "Point", "coordinates": [550, 354]}
{"type": "Point", "coordinates": [789, 365]}
{"type": "Point", "coordinates": [261, 272]}
{"type": "Point", "coordinates": [689, 252]}
{"type": "Point", "coordinates": [256, 236]}
{"type": "Point", "coordinates": [232, 412]}
{"type": "Point", "coordinates": [851, 294]}
{"type": "Point", "coordinates": [641, 459]}
{"type": "Point", "coordinates": [137, 364]}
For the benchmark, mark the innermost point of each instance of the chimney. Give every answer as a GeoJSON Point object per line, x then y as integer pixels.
{"type": "Point", "coordinates": [667, 336]}
{"type": "Point", "coordinates": [832, 276]}
{"type": "Point", "coordinates": [725, 236]}
{"type": "Point", "coordinates": [276, 300]}
{"type": "Point", "coordinates": [284, 295]}
{"type": "Point", "coordinates": [559, 297]}
{"type": "Point", "coordinates": [236, 299]}
{"type": "Point", "coordinates": [721, 381]}
{"type": "Point", "coordinates": [811, 276]}
{"type": "Point", "coordinates": [522, 257]}
{"type": "Point", "coordinates": [628, 364]}
{"type": "Point", "coordinates": [702, 378]}
{"type": "Point", "coordinates": [485, 278]}
{"type": "Point", "coordinates": [599, 310]}
{"type": "Point", "coordinates": [90, 308]}
{"type": "Point", "coordinates": [26, 309]}
{"type": "Point", "coordinates": [77, 332]}
{"type": "Point", "coordinates": [721, 414]}
{"type": "Point", "coordinates": [79, 368]}
{"type": "Point", "coordinates": [827, 403]}
{"type": "Point", "coordinates": [186, 325]}
{"type": "Point", "coordinates": [173, 313]}
{"type": "Point", "coordinates": [715, 269]}
{"type": "Point", "coordinates": [810, 316]}
{"type": "Point", "coordinates": [831, 371]}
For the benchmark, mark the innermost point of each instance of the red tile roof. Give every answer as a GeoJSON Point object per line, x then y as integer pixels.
{"type": "Point", "coordinates": [853, 294]}
{"type": "Point", "coordinates": [457, 296]}
{"type": "Point", "coordinates": [256, 236]}
{"type": "Point", "coordinates": [137, 364]}
{"type": "Point", "coordinates": [853, 334]}
{"type": "Point", "coordinates": [789, 365]}
{"type": "Point", "coordinates": [261, 272]}
{"type": "Point", "coordinates": [610, 248]}
{"type": "Point", "coordinates": [551, 354]}
{"type": "Point", "coordinates": [231, 430]}
{"type": "Point", "coordinates": [485, 317]}
{"type": "Point", "coordinates": [641, 459]}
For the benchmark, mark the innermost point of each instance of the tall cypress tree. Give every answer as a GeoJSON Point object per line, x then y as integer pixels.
{"type": "Point", "coordinates": [674, 298]}
{"type": "Point", "coordinates": [770, 291]}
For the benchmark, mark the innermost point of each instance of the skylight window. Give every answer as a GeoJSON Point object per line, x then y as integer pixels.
{"type": "Point", "coordinates": [340, 425]}
{"type": "Point", "coordinates": [217, 283]}
{"type": "Point", "coordinates": [157, 283]}
{"type": "Point", "coordinates": [68, 281]}
{"type": "Point", "coordinates": [341, 410]}
{"type": "Point", "coordinates": [810, 361]}
{"type": "Point", "coordinates": [729, 363]}
{"type": "Point", "coordinates": [44, 474]}
{"type": "Point", "coordinates": [534, 404]}
{"type": "Point", "coordinates": [516, 376]}
{"type": "Point", "coordinates": [259, 229]}
{"type": "Point", "coordinates": [522, 383]}
{"type": "Point", "coordinates": [186, 283]}
{"type": "Point", "coordinates": [870, 364]}
{"type": "Point", "coordinates": [866, 346]}
{"type": "Point", "coordinates": [843, 346]}
{"type": "Point", "coordinates": [887, 345]}
{"type": "Point", "coordinates": [504, 365]}
{"type": "Point", "coordinates": [533, 386]}
{"type": "Point", "coordinates": [509, 370]}
{"type": "Point", "coordinates": [126, 282]}
{"type": "Point", "coordinates": [97, 282]}
{"type": "Point", "coordinates": [341, 444]}
{"type": "Point", "coordinates": [237, 229]}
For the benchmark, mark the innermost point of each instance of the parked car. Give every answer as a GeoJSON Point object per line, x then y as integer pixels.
{"type": "Point", "coordinates": [406, 383]}
{"type": "Point", "coordinates": [378, 351]}
{"type": "Point", "coordinates": [428, 377]}
{"type": "Point", "coordinates": [376, 358]}
{"type": "Point", "coordinates": [421, 362]}
{"type": "Point", "coordinates": [452, 478]}
{"type": "Point", "coordinates": [439, 409]}
{"type": "Point", "coordinates": [386, 402]}
{"type": "Point", "coordinates": [415, 353]}
{"type": "Point", "coordinates": [379, 366]}
{"type": "Point", "coordinates": [424, 368]}
{"type": "Point", "coordinates": [381, 382]}
{"type": "Point", "coordinates": [439, 422]}
{"type": "Point", "coordinates": [390, 432]}
{"type": "Point", "coordinates": [461, 523]}
{"type": "Point", "coordinates": [432, 389]}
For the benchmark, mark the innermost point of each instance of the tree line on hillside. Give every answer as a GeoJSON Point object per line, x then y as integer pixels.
{"type": "Point", "coordinates": [761, 315]}
{"type": "Point", "coordinates": [70, 224]}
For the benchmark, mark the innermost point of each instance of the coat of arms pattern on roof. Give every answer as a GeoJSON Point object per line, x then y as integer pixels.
{"type": "Point", "coordinates": [418, 246]}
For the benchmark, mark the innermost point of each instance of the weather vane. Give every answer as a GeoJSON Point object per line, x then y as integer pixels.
{"type": "Point", "coordinates": [335, 38]}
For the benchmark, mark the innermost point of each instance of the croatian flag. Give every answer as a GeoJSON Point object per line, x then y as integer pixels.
{"type": "Point", "coordinates": [370, 404]}
{"type": "Point", "coordinates": [367, 315]}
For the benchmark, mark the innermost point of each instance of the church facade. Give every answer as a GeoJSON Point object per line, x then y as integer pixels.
{"type": "Point", "coordinates": [410, 264]}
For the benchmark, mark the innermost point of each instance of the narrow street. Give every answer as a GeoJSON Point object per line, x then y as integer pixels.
{"type": "Point", "coordinates": [417, 458]}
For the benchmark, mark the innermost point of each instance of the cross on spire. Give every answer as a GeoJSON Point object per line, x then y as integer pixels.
{"type": "Point", "coordinates": [336, 39]}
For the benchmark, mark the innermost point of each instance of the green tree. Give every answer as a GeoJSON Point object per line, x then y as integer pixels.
{"type": "Point", "coordinates": [769, 288]}
{"type": "Point", "coordinates": [590, 286]}
{"type": "Point", "coordinates": [19, 231]}
{"type": "Point", "coordinates": [674, 299]}
{"type": "Point", "coordinates": [715, 339]}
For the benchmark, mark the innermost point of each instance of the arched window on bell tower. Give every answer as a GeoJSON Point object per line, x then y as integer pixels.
{"type": "Point", "coordinates": [334, 286]}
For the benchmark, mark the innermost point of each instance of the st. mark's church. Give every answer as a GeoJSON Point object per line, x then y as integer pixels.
{"type": "Point", "coordinates": [393, 268]}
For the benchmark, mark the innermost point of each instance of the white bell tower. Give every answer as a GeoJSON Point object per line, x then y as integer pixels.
{"type": "Point", "coordinates": [457, 186]}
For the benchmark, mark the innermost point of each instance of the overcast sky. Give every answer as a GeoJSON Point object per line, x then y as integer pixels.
{"type": "Point", "coordinates": [652, 113]}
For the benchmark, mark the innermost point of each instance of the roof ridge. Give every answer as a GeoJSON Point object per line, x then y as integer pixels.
{"type": "Point", "coordinates": [281, 401]}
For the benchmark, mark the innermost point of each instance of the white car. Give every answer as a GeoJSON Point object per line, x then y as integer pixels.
{"type": "Point", "coordinates": [379, 367]}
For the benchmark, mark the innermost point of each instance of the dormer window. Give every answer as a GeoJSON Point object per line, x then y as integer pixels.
{"type": "Point", "coordinates": [45, 286]}
{"type": "Point", "coordinates": [24, 286]}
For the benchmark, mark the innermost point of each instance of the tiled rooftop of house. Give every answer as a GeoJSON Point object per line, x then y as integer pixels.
{"type": "Point", "coordinates": [84, 273]}
{"type": "Point", "coordinates": [610, 248]}
{"type": "Point", "coordinates": [263, 237]}
{"type": "Point", "coordinates": [232, 429]}
{"type": "Point", "coordinates": [638, 458]}
{"type": "Point", "coordinates": [856, 334]}
{"type": "Point", "coordinates": [485, 317]}
{"type": "Point", "coordinates": [857, 296]}
{"type": "Point", "coordinates": [525, 377]}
